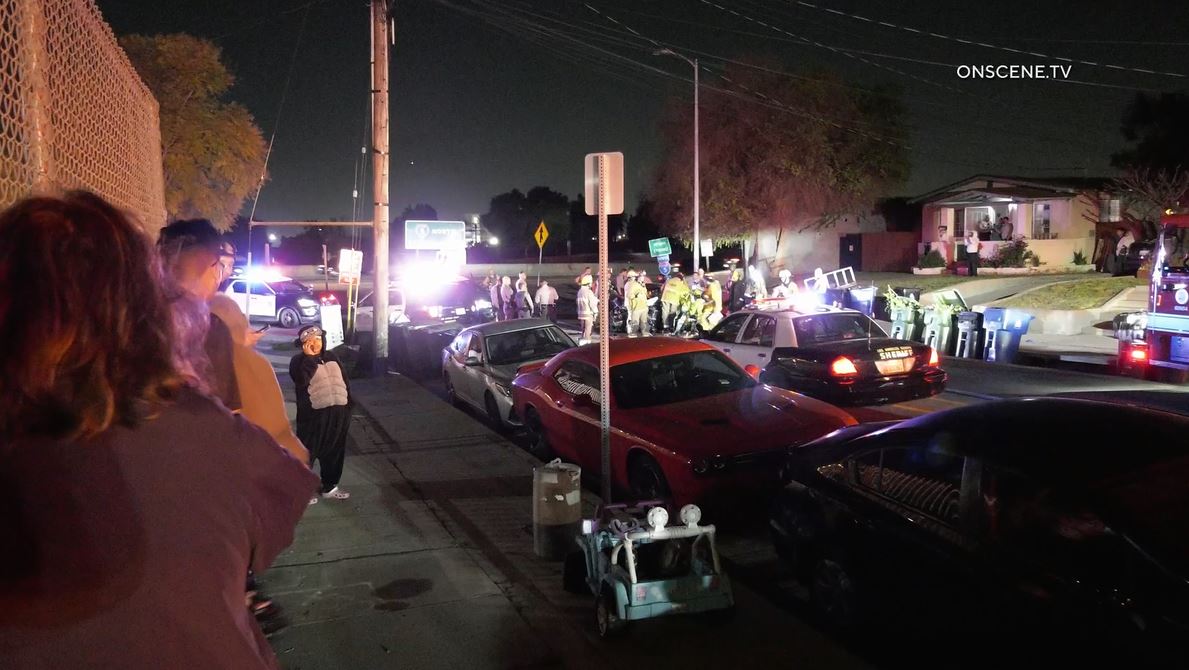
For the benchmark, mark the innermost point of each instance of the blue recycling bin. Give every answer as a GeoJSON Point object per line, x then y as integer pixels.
{"type": "Point", "coordinates": [862, 299]}
{"type": "Point", "coordinates": [1009, 337]}
{"type": "Point", "coordinates": [992, 324]}
{"type": "Point", "coordinates": [834, 296]}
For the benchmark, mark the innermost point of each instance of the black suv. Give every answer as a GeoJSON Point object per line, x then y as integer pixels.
{"type": "Point", "coordinates": [1076, 537]}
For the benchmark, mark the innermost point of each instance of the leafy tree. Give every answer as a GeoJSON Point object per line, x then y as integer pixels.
{"type": "Point", "coordinates": [213, 150]}
{"type": "Point", "coordinates": [513, 217]}
{"type": "Point", "coordinates": [418, 212]}
{"type": "Point", "coordinates": [641, 226]}
{"type": "Point", "coordinates": [545, 204]}
{"type": "Point", "coordinates": [1158, 129]}
{"type": "Point", "coordinates": [777, 150]}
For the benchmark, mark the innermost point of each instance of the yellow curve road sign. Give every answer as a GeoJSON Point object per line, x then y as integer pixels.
{"type": "Point", "coordinates": [541, 235]}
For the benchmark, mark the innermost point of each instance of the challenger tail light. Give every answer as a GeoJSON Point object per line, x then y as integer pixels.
{"type": "Point", "coordinates": [934, 358]}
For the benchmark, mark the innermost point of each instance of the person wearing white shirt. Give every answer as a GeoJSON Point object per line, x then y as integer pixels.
{"type": "Point", "coordinates": [972, 247]}
{"type": "Point", "coordinates": [547, 301]}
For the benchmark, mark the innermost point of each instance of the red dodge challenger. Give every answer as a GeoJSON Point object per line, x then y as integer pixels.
{"type": "Point", "coordinates": [687, 423]}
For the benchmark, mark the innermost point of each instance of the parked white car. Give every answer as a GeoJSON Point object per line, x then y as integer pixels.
{"type": "Point", "coordinates": [480, 363]}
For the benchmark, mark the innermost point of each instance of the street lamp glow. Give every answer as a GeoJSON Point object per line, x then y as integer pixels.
{"type": "Point", "coordinates": [494, 241]}
{"type": "Point", "coordinates": [272, 237]}
{"type": "Point", "coordinates": [475, 219]}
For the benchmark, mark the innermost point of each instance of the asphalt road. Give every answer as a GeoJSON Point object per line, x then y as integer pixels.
{"type": "Point", "coordinates": [747, 550]}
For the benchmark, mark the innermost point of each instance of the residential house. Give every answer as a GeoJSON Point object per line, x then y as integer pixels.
{"type": "Point", "coordinates": [1058, 216]}
{"type": "Point", "coordinates": [881, 239]}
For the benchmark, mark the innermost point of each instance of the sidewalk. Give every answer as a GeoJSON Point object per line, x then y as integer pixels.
{"type": "Point", "coordinates": [430, 565]}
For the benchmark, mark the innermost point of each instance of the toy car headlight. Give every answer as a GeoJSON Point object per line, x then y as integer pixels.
{"type": "Point", "coordinates": [691, 515]}
{"type": "Point", "coordinates": [658, 517]}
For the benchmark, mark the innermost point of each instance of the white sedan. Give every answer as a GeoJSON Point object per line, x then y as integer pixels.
{"type": "Point", "coordinates": [478, 366]}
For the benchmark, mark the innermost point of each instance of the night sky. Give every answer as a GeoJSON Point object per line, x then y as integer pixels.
{"type": "Point", "coordinates": [479, 108]}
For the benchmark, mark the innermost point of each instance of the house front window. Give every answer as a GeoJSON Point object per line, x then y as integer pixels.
{"type": "Point", "coordinates": [1110, 210]}
{"type": "Point", "coordinates": [979, 219]}
{"type": "Point", "coordinates": [959, 222]}
{"type": "Point", "coordinates": [1042, 222]}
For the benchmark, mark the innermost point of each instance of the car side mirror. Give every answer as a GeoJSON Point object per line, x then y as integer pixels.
{"type": "Point", "coordinates": [753, 370]}
{"type": "Point", "coordinates": [583, 400]}
{"type": "Point", "coordinates": [474, 360]}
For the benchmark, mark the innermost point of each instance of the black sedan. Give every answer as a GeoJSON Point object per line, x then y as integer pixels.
{"type": "Point", "coordinates": [1074, 536]}
{"type": "Point", "coordinates": [837, 355]}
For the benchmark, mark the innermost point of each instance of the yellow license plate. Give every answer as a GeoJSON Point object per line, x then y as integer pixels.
{"type": "Point", "coordinates": [894, 367]}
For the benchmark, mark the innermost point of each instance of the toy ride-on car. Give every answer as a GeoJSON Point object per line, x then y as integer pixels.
{"type": "Point", "coordinates": [639, 567]}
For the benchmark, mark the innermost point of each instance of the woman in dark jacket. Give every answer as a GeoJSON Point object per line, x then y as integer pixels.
{"type": "Point", "coordinates": [323, 408]}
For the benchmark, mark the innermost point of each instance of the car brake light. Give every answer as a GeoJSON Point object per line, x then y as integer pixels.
{"type": "Point", "coordinates": [934, 358]}
{"type": "Point", "coordinates": [1139, 355]}
{"type": "Point", "coordinates": [843, 366]}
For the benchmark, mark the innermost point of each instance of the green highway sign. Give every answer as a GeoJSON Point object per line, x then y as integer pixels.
{"type": "Point", "coordinates": [435, 235]}
{"type": "Point", "coordinates": [659, 247]}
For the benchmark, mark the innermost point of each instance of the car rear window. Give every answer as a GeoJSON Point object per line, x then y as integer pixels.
{"type": "Point", "coordinates": [526, 345]}
{"type": "Point", "coordinates": [833, 327]}
{"type": "Point", "coordinates": [677, 378]}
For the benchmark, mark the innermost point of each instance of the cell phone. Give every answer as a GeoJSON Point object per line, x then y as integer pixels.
{"type": "Point", "coordinates": [264, 328]}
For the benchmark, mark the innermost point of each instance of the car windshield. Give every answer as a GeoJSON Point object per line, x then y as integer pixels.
{"type": "Point", "coordinates": [832, 327]}
{"type": "Point", "coordinates": [1152, 505]}
{"type": "Point", "coordinates": [672, 379]}
{"type": "Point", "coordinates": [526, 345]}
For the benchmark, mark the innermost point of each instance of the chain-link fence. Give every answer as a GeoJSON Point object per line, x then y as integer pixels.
{"type": "Point", "coordinates": [73, 112]}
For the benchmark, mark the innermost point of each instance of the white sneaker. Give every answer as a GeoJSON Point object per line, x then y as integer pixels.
{"type": "Point", "coordinates": [337, 494]}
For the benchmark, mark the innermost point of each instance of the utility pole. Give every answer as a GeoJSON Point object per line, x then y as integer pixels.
{"type": "Point", "coordinates": [380, 19]}
{"type": "Point", "coordinates": [697, 162]}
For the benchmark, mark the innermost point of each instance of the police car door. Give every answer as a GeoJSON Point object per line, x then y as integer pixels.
{"type": "Point", "coordinates": [262, 301]}
{"type": "Point", "coordinates": [238, 291]}
{"type": "Point", "coordinates": [724, 336]}
{"type": "Point", "coordinates": [757, 341]}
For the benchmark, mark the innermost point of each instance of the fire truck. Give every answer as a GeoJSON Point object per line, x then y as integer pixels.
{"type": "Point", "coordinates": [1164, 350]}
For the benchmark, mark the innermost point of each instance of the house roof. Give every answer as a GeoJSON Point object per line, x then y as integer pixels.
{"type": "Point", "coordinates": [984, 186]}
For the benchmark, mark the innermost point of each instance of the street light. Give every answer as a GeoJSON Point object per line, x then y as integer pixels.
{"type": "Point", "coordinates": [697, 192]}
{"type": "Point", "coordinates": [272, 237]}
{"type": "Point", "coordinates": [493, 241]}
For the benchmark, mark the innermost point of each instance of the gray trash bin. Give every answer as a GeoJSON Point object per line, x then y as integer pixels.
{"type": "Point", "coordinates": [557, 508]}
{"type": "Point", "coordinates": [970, 333]}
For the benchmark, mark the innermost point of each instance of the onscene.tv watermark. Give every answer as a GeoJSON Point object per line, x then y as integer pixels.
{"type": "Point", "coordinates": [1014, 71]}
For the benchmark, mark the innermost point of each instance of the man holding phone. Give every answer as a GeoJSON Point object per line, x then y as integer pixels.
{"type": "Point", "coordinates": [198, 260]}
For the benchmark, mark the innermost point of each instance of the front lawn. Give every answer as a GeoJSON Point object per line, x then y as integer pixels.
{"type": "Point", "coordinates": [1077, 294]}
{"type": "Point", "coordinates": [926, 283]}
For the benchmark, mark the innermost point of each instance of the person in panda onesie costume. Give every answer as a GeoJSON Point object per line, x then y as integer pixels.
{"type": "Point", "coordinates": [323, 409]}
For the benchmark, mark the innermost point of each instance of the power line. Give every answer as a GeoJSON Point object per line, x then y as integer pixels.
{"type": "Point", "coordinates": [250, 24]}
{"type": "Point", "coordinates": [577, 50]}
{"type": "Point", "coordinates": [280, 107]}
{"type": "Point", "coordinates": [959, 40]}
{"type": "Point", "coordinates": [828, 47]}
